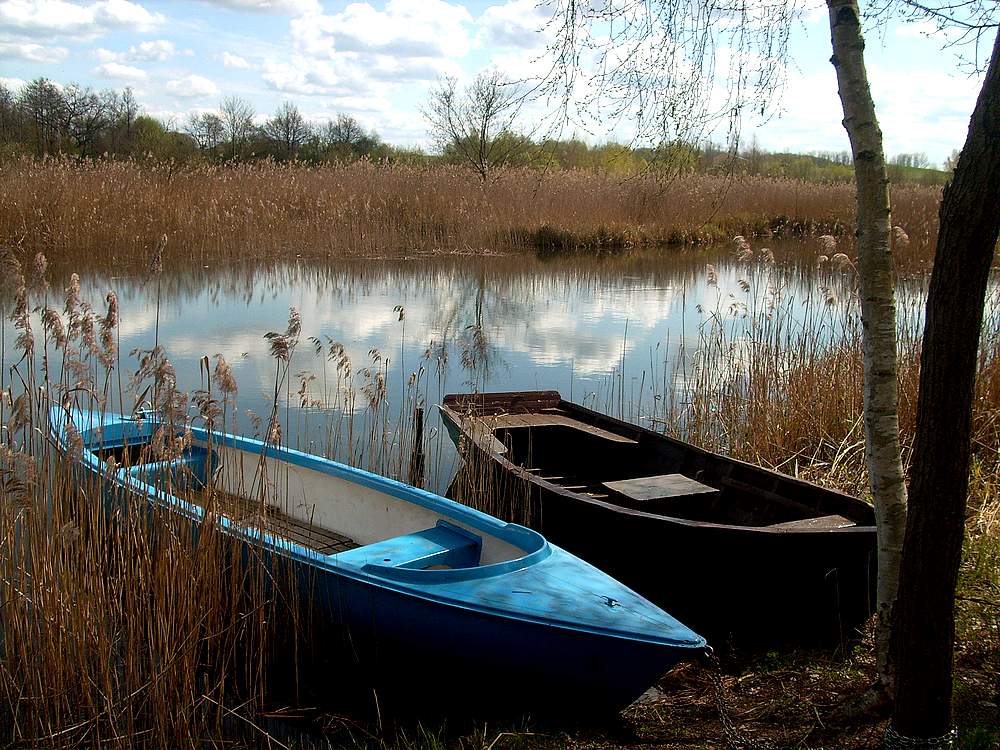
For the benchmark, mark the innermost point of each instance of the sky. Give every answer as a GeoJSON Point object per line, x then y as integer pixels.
{"type": "Point", "coordinates": [378, 60]}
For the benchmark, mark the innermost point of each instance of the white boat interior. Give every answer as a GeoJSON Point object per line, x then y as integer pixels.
{"type": "Point", "coordinates": [309, 501]}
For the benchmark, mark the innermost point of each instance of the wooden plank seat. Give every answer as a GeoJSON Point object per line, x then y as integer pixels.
{"type": "Point", "coordinates": [252, 515]}
{"type": "Point", "coordinates": [818, 523]}
{"type": "Point", "coordinates": [549, 419]}
{"type": "Point", "coordinates": [482, 428]}
{"type": "Point", "coordinates": [659, 487]}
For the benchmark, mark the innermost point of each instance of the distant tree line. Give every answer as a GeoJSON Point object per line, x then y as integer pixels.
{"type": "Point", "coordinates": [44, 119]}
{"type": "Point", "coordinates": [474, 127]}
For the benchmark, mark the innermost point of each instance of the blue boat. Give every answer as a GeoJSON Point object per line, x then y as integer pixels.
{"type": "Point", "coordinates": [426, 600]}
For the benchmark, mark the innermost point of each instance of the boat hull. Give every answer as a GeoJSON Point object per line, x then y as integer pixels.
{"type": "Point", "coordinates": [420, 657]}
{"type": "Point", "coordinates": [539, 631]}
{"type": "Point", "coordinates": [737, 584]}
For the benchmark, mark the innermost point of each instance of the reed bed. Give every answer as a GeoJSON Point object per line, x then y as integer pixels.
{"type": "Point", "coordinates": [111, 212]}
{"type": "Point", "coordinates": [777, 379]}
{"type": "Point", "coordinates": [122, 624]}
{"type": "Point", "coordinates": [127, 625]}
{"type": "Point", "coordinates": [122, 628]}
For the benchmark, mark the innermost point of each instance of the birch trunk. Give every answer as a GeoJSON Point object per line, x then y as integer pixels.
{"type": "Point", "coordinates": [967, 238]}
{"type": "Point", "coordinates": [878, 315]}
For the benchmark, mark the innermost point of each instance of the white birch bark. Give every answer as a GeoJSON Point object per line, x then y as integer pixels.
{"type": "Point", "coordinates": [878, 315]}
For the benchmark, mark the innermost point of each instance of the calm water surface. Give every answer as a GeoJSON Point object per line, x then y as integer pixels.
{"type": "Point", "coordinates": [607, 331]}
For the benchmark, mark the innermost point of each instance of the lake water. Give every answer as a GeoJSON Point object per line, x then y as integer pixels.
{"type": "Point", "coordinates": [615, 332]}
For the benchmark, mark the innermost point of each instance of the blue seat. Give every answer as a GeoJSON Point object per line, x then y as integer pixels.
{"type": "Point", "coordinates": [188, 469]}
{"type": "Point", "coordinates": [444, 545]}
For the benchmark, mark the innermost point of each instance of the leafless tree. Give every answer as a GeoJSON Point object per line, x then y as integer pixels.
{"type": "Point", "coordinates": [237, 122]}
{"type": "Point", "coordinates": [44, 108]}
{"type": "Point", "coordinates": [287, 130]}
{"type": "Point", "coordinates": [344, 131]}
{"type": "Point", "coordinates": [86, 116]}
{"type": "Point", "coordinates": [916, 159]}
{"type": "Point", "coordinates": [10, 120]}
{"type": "Point", "coordinates": [346, 138]}
{"type": "Point", "coordinates": [476, 124]}
{"type": "Point", "coordinates": [124, 111]}
{"type": "Point", "coordinates": [207, 129]}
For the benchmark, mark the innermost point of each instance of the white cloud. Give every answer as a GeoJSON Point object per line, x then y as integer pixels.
{"type": "Point", "coordinates": [177, 116]}
{"type": "Point", "coordinates": [933, 126]}
{"type": "Point", "coordinates": [14, 84]}
{"type": "Point", "coordinates": [192, 86]}
{"type": "Point", "coordinates": [284, 7]}
{"type": "Point", "coordinates": [289, 79]}
{"type": "Point", "coordinates": [157, 50]}
{"type": "Point", "coordinates": [392, 69]}
{"type": "Point", "coordinates": [230, 60]}
{"type": "Point", "coordinates": [362, 54]}
{"type": "Point", "coordinates": [117, 70]}
{"type": "Point", "coordinates": [517, 23]}
{"type": "Point", "coordinates": [341, 76]}
{"type": "Point", "coordinates": [33, 52]}
{"type": "Point", "coordinates": [406, 28]}
{"type": "Point", "coordinates": [47, 18]}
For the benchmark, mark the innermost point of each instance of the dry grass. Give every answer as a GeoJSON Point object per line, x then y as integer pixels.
{"type": "Point", "coordinates": [112, 212]}
{"type": "Point", "coordinates": [122, 625]}
{"type": "Point", "coordinates": [777, 380]}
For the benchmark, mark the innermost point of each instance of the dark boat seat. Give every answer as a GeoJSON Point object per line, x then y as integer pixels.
{"type": "Point", "coordinates": [550, 419]}
{"type": "Point", "coordinates": [817, 523]}
{"type": "Point", "coordinates": [189, 469]}
{"type": "Point", "coordinates": [659, 487]}
{"type": "Point", "coordinates": [443, 545]}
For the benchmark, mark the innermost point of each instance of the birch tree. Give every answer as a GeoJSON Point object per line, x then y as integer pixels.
{"type": "Point", "coordinates": [878, 317]}
{"type": "Point", "coordinates": [657, 64]}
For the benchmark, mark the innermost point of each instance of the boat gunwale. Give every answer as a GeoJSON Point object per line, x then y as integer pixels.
{"type": "Point", "coordinates": [460, 422]}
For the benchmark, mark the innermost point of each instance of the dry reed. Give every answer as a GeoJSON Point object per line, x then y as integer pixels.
{"type": "Point", "coordinates": [112, 211]}
{"type": "Point", "coordinates": [122, 624]}
{"type": "Point", "coordinates": [124, 628]}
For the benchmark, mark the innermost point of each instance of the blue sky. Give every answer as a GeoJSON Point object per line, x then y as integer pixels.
{"type": "Point", "coordinates": [377, 60]}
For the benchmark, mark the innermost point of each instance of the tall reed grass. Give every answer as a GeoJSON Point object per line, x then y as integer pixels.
{"type": "Point", "coordinates": [122, 623]}
{"type": "Point", "coordinates": [119, 627]}
{"type": "Point", "coordinates": [111, 212]}
{"type": "Point", "coordinates": [776, 378]}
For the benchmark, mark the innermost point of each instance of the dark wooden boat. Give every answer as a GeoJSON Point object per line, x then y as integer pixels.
{"type": "Point", "coordinates": [740, 552]}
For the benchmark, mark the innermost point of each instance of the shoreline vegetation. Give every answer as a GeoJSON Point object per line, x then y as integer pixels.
{"type": "Point", "coordinates": [113, 211]}
{"type": "Point", "coordinates": [137, 646]}
{"type": "Point", "coordinates": [129, 633]}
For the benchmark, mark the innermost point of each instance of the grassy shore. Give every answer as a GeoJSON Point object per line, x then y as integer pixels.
{"type": "Point", "coordinates": [114, 211]}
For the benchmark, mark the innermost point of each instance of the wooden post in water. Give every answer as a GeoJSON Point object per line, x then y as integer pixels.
{"type": "Point", "coordinates": [416, 477]}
